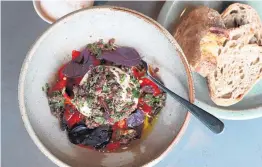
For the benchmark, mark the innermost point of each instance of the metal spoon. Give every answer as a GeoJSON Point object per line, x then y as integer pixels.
{"type": "Point", "coordinates": [213, 123]}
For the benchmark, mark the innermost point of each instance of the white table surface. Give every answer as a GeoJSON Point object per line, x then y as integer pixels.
{"type": "Point", "coordinates": [239, 145]}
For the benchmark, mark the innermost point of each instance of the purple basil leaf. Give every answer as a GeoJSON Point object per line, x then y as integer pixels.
{"type": "Point", "coordinates": [86, 55]}
{"type": "Point", "coordinates": [78, 59]}
{"type": "Point", "coordinates": [74, 70]}
{"type": "Point", "coordinates": [83, 57]}
{"type": "Point", "coordinates": [123, 56]}
{"type": "Point", "coordinates": [135, 119]}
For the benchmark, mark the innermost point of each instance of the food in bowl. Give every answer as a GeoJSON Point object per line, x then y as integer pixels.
{"type": "Point", "coordinates": [227, 49]}
{"type": "Point", "coordinates": [102, 97]}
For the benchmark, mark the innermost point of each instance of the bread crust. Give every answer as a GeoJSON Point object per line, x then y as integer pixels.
{"type": "Point", "coordinates": [245, 31]}
{"type": "Point", "coordinates": [190, 32]}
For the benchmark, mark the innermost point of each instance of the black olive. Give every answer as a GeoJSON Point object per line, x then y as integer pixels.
{"type": "Point", "coordinates": [97, 137]}
{"type": "Point", "coordinates": [78, 133]}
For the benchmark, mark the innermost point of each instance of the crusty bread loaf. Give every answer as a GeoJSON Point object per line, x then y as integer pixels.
{"type": "Point", "coordinates": [200, 34]}
{"type": "Point", "coordinates": [239, 63]}
{"type": "Point", "coordinates": [226, 50]}
{"type": "Point", "coordinates": [243, 20]}
{"type": "Point", "coordinates": [239, 68]}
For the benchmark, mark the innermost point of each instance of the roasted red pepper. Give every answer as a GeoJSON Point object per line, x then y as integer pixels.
{"type": "Point", "coordinates": [138, 74]}
{"type": "Point", "coordinates": [61, 76]}
{"type": "Point", "coordinates": [59, 86]}
{"type": "Point", "coordinates": [67, 99]}
{"type": "Point", "coordinates": [122, 124]}
{"type": "Point", "coordinates": [72, 118]}
{"type": "Point", "coordinates": [75, 54]}
{"type": "Point", "coordinates": [148, 82]}
{"type": "Point", "coordinates": [144, 107]}
{"type": "Point", "coordinates": [77, 80]}
{"type": "Point", "coordinates": [113, 146]}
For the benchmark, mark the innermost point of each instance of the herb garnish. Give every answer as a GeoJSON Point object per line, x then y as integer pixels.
{"type": "Point", "coordinates": [151, 99]}
{"type": "Point", "coordinates": [105, 88]}
{"type": "Point", "coordinates": [122, 78]}
{"type": "Point", "coordinates": [135, 93]}
{"type": "Point", "coordinates": [45, 88]}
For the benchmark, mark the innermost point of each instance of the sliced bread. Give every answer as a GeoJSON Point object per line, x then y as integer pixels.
{"type": "Point", "coordinates": [239, 61]}
{"type": "Point", "coordinates": [200, 34]}
{"type": "Point", "coordinates": [242, 20]}
{"type": "Point", "coordinates": [239, 67]}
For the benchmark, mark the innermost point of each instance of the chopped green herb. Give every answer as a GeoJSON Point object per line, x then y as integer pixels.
{"type": "Point", "coordinates": [99, 120]}
{"type": "Point", "coordinates": [130, 103]}
{"type": "Point", "coordinates": [148, 96]}
{"type": "Point", "coordinates": [101, 68]}
{"type": "Point", "coordinates": [135, 93]}
{"type": "Point", "coordinates": [45, 88]}
{"type": "Point", "coordinates": [133, 79]}
{"type": "Point", "coordinates": [122, 78]}
{"type": "Point", "coordinates": [105, 88]}
{"type": "Point", "coordinates": [151, 99]}
{"type": "Point", "coordinates": [89, 101]}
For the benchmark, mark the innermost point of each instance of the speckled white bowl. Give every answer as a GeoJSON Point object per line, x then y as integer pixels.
{"type": "Point", "coordinates": [75, 30]}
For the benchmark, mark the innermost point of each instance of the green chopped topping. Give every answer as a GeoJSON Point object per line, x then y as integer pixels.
{"type": "Point", "coordinates": [99, 120]}
{"type": "Point", "coordinates": [133, 79]}
{"type": "Point", "coordinates": [148, 96]}
{"type": "Point", "coordinates": [97, 48]}
{"type": "Point", "coordinates": [151, 99]}
{"type": "Point", "coordinates": [130, 103]}
{"type": "Point", "coordinates": [135, 93]}
{"type": "Point", "coordinates": [128, 89]}
{"type": "Point", "coordinates": [122, 78]}
{"type": "Point", "coordinates": [89, 100]}
{"type": "Point", "coordinates": [45, 88]}
{"type": "Point", "coordinates": [101, 68]}
{"type": "Point", "coordinates": [105, 88]}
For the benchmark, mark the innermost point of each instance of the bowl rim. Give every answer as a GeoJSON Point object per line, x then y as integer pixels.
{"type": "Point", "coordinates": [39, 11]}
{"type": "Point", "coordinates": [29, 55]}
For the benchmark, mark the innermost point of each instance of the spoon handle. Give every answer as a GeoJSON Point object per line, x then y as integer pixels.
{"type": "Point", "coordinates": [213, 123]}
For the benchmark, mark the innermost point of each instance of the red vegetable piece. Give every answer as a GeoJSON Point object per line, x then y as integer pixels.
{"type": "Point", "coordinates": [148, 82]}
{"type": "Point", "coordinates": [138, 74]}
{"type": "Point", "coordinates": [115, 126]}
{"type": "Point", "coordinates": [67, 98]}
{"type": "Point", "coordinates": [59, 85]}
{"type": "Point", "coordinates": [77, 80]}
{"type": "Point", "coordinates": [60, 72]}
{"type": "Point", "coordinates": [75, 54]}
{"type": "Point", "coordinates": [95, 61]}
{"type": "Point", "coordinates": [113, 146]}
{"type": "Point", "coordinates": [122, 124]}
{"type": "Point", "coordinates": [144, 107]}
{"type": "Point", "coordinates": [72, 118]}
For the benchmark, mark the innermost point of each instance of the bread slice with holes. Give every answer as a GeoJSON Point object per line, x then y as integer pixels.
{"type": "Point", "coordinates": [243, 20]}
{"type": "Point", "coordinates": [239, 67]}
{"type": "Point", "coordinates": [239, 61]}
{"type": "Point", "coordinates": [200, 34]}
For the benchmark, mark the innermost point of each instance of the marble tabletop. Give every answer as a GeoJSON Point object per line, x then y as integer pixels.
{"type": "Point", "coordinates": [239, 145]}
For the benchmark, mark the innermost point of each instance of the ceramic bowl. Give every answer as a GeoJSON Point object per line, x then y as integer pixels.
{"type": "Point", "coordinates": [74, 31]}
{"type": "Point", "coordinates": [251, 105]}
